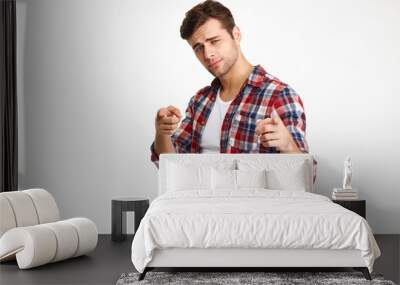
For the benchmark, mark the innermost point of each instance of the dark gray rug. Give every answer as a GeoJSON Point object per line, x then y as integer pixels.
{"type": "Point", "coordinates": [270, 278]}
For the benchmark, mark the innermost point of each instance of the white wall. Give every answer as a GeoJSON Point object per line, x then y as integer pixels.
{"type": "Point", "coordinates": [93, 73]}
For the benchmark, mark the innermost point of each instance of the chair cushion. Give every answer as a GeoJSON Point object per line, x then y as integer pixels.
{"type": "Point", "coordinates": [45, 205]}
{"type": "Point", "coordinates": [27, 208]}
{"type": "Point", "coordinates": [23, 208]}
{"type": "Point", "coordinates": [32, 246]}
{"type": "Point", "coordinates": [7, 220]}
{"type": "Point", "coordinates": [67, 239]}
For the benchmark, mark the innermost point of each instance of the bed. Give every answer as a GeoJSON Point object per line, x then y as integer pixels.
{"type": "Point", "coordinates": [244, 211]}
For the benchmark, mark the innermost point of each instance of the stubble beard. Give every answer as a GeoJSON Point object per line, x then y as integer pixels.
{"type": "Point", "coordinates": [224, 69]}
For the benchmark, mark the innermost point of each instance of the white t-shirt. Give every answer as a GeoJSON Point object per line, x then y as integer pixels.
{"type": "Point", "coordinates": [210, 140]}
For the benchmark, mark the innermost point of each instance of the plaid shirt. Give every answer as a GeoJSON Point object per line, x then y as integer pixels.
{"type": "Point", "coordinates": [260, 94]}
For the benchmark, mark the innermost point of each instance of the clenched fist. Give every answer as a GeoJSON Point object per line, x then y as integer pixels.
{"type": "Point", "coordinates": [167, 120]}
{"type": "Point", "coordinates": [272, 132]}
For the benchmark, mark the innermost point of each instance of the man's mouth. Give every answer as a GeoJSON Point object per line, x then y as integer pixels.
{"type": "Point", "coordinates": [215, 64]}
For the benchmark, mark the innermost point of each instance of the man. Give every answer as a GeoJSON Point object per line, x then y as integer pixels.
{"type": "Point", "coordinates": [245, 110]}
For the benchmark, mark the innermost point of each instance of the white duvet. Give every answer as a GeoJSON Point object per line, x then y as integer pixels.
{"type": "Point", "coordinates": [252, 218]}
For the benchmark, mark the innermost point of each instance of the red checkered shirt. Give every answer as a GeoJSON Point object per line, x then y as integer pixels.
{"type": "Point", "coordinates": [260, 94]}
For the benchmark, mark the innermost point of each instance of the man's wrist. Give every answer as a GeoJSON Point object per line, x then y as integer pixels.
{"type": "Point", "coordinates": [162, 136]}
{"type": "Point", "coordinates": [292, 148]}
{"type": "Point", "coordinates": [163, 144]}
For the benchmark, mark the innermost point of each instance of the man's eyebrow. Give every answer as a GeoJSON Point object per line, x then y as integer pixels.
{"type": "Point", "coordinates": [207, 40]}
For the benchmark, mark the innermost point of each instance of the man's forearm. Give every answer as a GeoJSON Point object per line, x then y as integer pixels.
{"type": "Point", "coordinates": [163, 144]}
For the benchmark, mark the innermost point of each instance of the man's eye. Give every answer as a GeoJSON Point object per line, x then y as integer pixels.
{"type": "Point", "coordinates": [214, 41]}
{"type": "Point", "coordinates": [198, 49]}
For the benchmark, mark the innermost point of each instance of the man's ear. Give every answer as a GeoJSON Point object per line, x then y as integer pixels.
{"type": "Point", "coordinates": [237, 35]}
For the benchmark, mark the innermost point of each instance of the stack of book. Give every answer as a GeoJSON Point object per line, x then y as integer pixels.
{"type": "Point", "coordinates": [344, 194]}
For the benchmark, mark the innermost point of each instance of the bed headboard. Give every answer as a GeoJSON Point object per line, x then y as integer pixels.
{"type": "Point", "coordinates": [278, 162]}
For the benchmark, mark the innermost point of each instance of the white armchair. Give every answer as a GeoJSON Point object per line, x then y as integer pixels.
{"type": "Point", "coordinates": [32, 233]}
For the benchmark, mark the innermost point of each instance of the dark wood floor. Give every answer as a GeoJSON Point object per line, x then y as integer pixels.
{"type": "Point", "coordinates": [111, 259]}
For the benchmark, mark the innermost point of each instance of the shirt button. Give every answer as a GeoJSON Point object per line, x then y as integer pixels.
{"type": "Point", "coordinates": [231, 141]}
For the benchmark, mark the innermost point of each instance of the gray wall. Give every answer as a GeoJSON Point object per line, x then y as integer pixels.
{"type": "Point", "coordinates": [93, 73]}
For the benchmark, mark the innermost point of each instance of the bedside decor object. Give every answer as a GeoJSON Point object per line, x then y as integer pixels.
{"type": "Point", "coordinates": [119, 207]}
{"type": "Point", "coordinates": [348, 173]}
{"type": "Point", "coordinates": [346, 192]}
{"type": "Point", "coordinates": [32, 233]}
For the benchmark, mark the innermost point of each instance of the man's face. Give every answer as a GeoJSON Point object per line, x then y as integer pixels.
{"type": "Point", "coordinates": [215, 48]}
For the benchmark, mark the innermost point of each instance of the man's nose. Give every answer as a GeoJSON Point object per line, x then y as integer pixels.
{"type": "Point", "coordinates": [209, 52]}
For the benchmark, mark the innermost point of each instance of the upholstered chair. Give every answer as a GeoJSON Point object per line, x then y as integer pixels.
{"type": "Point", "coordinates": [32, 233]}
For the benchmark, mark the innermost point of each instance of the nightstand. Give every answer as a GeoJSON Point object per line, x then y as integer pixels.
{"type": "Point", "coordinates": [357, 206]}
{"type": "Point", "coordinates": [119, 207]}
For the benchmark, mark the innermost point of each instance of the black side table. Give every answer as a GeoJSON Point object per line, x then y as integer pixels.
{"type": "Point", "coordinates": [119, 207]}
{"type": "Point", "coordinates": [357, 206]}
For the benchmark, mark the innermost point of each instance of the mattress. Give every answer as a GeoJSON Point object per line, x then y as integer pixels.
{"type": "Point", "coordinates": [250, 219]}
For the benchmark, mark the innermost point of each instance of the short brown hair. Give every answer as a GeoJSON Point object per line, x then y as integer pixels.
{"type": "Point", "coordinates": [202, 12]}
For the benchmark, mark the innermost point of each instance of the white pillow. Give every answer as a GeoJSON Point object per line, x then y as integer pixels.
{"type": "Point", "coordinates": [181, 177]}
{"type": "Point", "coordinates": [228, 179]}
{"type": "Point", "coordinates": [282, 174]}
{"type": "Point", "coordinates": [223, 179]}
{"type": "Point", "coordinates": [292, 178]}
{"type": "Point", "coordinates": [251, 178]}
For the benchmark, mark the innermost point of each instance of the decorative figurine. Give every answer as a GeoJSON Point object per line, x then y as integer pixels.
{"type": "Point", "coordinates": [348, 171]}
